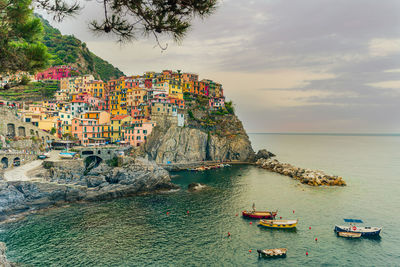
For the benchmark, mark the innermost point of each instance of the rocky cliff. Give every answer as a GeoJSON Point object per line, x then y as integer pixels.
{"type": "Point", "coordinates": [226, 140]}
{"type": "Point", "coordinates": [60, 182]}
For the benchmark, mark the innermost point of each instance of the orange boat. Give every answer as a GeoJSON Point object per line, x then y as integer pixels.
{"type": "Point", "coordinates": [259, 214]}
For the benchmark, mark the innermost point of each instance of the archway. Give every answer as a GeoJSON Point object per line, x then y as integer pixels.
{"type": "Point", "coordinates": [17, 161]}
{"type": "Point", "coordinates": [4, 162]}
{"type": "Point", "coordinates": [11, 130]}
{"type": "Point", "coordinates": [92, 162]}
{"type": "Point", "coordinates": [21, 131]}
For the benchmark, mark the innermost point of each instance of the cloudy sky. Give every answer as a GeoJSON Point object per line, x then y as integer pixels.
{"type": "Point", "coordinates": [289, 66]}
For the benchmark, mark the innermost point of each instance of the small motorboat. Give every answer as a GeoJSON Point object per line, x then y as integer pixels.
{"type": "Point", "coordinates": [259, 214]}
{"type": "Point", "coordinates": [352, 228]}
{"type": "Point", "coordinates": [280, 224]}
{"type": "Point", "coordinates": [43, 156]}
{"type": "Point", "coordinates": [272, 253]}
{"type": "Point", "coordinates": [67, 155]}
{"type": "Point", "coordinates": [349, 234]}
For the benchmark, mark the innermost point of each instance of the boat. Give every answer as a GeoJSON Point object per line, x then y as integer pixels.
{"type": "Point", "coordinates": [279, 224]}
{"type": "Point", "coordinates": [67, 155]}
{"type": "Point", "coordinates": [42, 156]}
{"type": "Point", "coordinates": [259, 214]}
{"type": "Point", "coordinates": [349, 234]}
{"type": "Point", "coordinates": [272, 253]}
{"type": "Point", "coordinates": [353, 228]}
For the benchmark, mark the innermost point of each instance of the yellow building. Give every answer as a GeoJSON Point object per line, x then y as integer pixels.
{"type": "Point", "coordinates": [48, 123]}
{"type": "Point", "coordinates": [96, 88]}
{"type": "Point", "coordinates": [118, 98]}
{"type": "Point", "coordinates": [176, 88]}
{"type": "Point", "coordinates": [117, 123]}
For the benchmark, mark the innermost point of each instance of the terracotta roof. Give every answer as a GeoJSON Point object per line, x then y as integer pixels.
{"type": "Point", "coordinates": [119, 117]}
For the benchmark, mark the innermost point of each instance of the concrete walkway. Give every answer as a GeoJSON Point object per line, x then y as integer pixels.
{"type": "Point", "coordinates": [20, 173]}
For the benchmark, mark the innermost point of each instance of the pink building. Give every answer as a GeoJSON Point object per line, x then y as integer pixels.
{"type": "Point", "coordinates": [55, 73]}
{"type": "Point", "coordinates": [136, 136]}
{"type": "Point", "coordinates": [85, 129]}
{"type": "Point", "coordinates": [217, 102]}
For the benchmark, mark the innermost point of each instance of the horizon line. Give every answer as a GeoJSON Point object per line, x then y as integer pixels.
{"type": "Point", "coordinates": [327, 133]}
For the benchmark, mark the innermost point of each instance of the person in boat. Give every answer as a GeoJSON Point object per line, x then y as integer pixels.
{"type": "Point", "coordinates": [254, 207]}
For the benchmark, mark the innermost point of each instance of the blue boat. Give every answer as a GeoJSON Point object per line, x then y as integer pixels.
{"type": "Point", "coordinates": [353, 228]}
{"type": "Point", "coordinates": [67, 155]}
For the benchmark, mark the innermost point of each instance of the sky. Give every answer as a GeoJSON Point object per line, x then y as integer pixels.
{"type": "Point", "coordinates": [288, 66]}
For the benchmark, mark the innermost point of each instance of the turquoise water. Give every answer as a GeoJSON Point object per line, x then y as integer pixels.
{"type": "Point", "coordinates": [138, 232]}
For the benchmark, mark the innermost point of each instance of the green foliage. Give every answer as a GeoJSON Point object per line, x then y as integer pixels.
{"type": "Point", "coordinates": [202, 100]}
{"type": "Point", "coordinates": [220, 112]}
{"type": "Point", "coordinates": [20, 35]}
{"type": "Point", "coordinates": [190, 113]}
{"type": "Point", "coordinates": [112, 162]}
{"type": "Point", "coordinates": [229, 107]}
{"type": "Point", "coordinates": [53, 130]}
{"type": "Point", "coordinates": [68, 50]}
{"type": "Point", "coordinates": [24, 80]}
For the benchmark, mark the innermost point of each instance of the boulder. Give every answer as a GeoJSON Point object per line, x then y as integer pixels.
{"type": "Point", "coordinates": [264, 154]}
{"type": "Point", "coordinates": [196, 187]}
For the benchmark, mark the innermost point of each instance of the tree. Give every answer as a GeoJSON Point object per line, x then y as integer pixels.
{"type": "Point", "coordinates": [20, 33]}
{"type": "Point", "coordinates": [129, 19]}
{"type": "Point", "coordinates": [53, 131]}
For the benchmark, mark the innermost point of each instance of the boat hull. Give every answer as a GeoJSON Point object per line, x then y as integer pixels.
{"type": "Point", "coordinates": [349, 234]}
{"type": "Point", "coordinates": [278, 224]}
{"type": "Point", "coordinates": [364, 231]}
{"type": "Point", "coordinates": [259, 214]}
{"type": "Point", "coordinates": [272, 253]}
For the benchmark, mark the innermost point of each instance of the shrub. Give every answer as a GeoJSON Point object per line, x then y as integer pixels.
{"type": "Point", "coordinates": [229, 107]}
{"type": "Point", "coordinates": [190, 113]}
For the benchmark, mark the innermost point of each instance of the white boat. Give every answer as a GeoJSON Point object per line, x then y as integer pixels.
{"type": "Point", "coordinates": [363, 230]}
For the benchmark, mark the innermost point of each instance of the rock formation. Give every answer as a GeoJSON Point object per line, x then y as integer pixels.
{"type": "Point", "coordinates": [305, 176]}
{"type": "Point", "coordinates": [196, 187]}
{"type": "Point", "coordinates": [264, 154]}
{"type": "Point", "coordinates": [3, 259]}
{"type": "Point", "coordinates": [191, 144]}
{"type": "Point", "coordinates": [62, 182]}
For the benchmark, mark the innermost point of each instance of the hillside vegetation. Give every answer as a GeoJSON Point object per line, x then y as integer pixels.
{"type": "Point", "coordinates": [68, 50]}
{"type": "Point", "coordinates": [34, 91]}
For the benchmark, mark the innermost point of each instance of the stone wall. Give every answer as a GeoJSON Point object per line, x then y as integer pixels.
{"type": "Point", "coordinates": [11, 126]}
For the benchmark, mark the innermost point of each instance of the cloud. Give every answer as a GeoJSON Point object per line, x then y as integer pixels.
{"type": "Point", "coordinates": [384, 47]}
{"type": "Point", "coordinates": [395, 84]}
{"type": "Point", "coordinates": [288, 65]}
{"type": "Point", "coordinates": [392, 70]}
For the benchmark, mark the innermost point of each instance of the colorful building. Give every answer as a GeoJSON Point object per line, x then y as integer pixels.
{"type": "Point", "coordinates": [117, 123]}
{"type": "Point", "coordinates": [55, 73]}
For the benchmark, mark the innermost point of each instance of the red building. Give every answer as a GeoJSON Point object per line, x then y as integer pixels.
{"type": "Point", "coordinates": [55, 73]}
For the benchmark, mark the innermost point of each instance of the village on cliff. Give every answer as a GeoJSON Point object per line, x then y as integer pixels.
{"type": "Point", "coordinates": [121, 111]}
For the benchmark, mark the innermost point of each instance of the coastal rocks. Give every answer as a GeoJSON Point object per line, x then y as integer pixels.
{"type": "Point", "coordinates": [264, 154]}
{"type": "Point", "coordinates": [189, 145]}
{"type": "Point", "coordinates": [63, 183]}
{"type": "Point", "coordinates": [305, 176]}
{"type": "Point", "coordinates": [196, 187]}
{"type": "Point", "coordinates": [3, 259]}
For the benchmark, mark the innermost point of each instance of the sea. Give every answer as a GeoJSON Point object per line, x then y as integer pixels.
{"type": "Point", "coordinates": [182, 228]}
